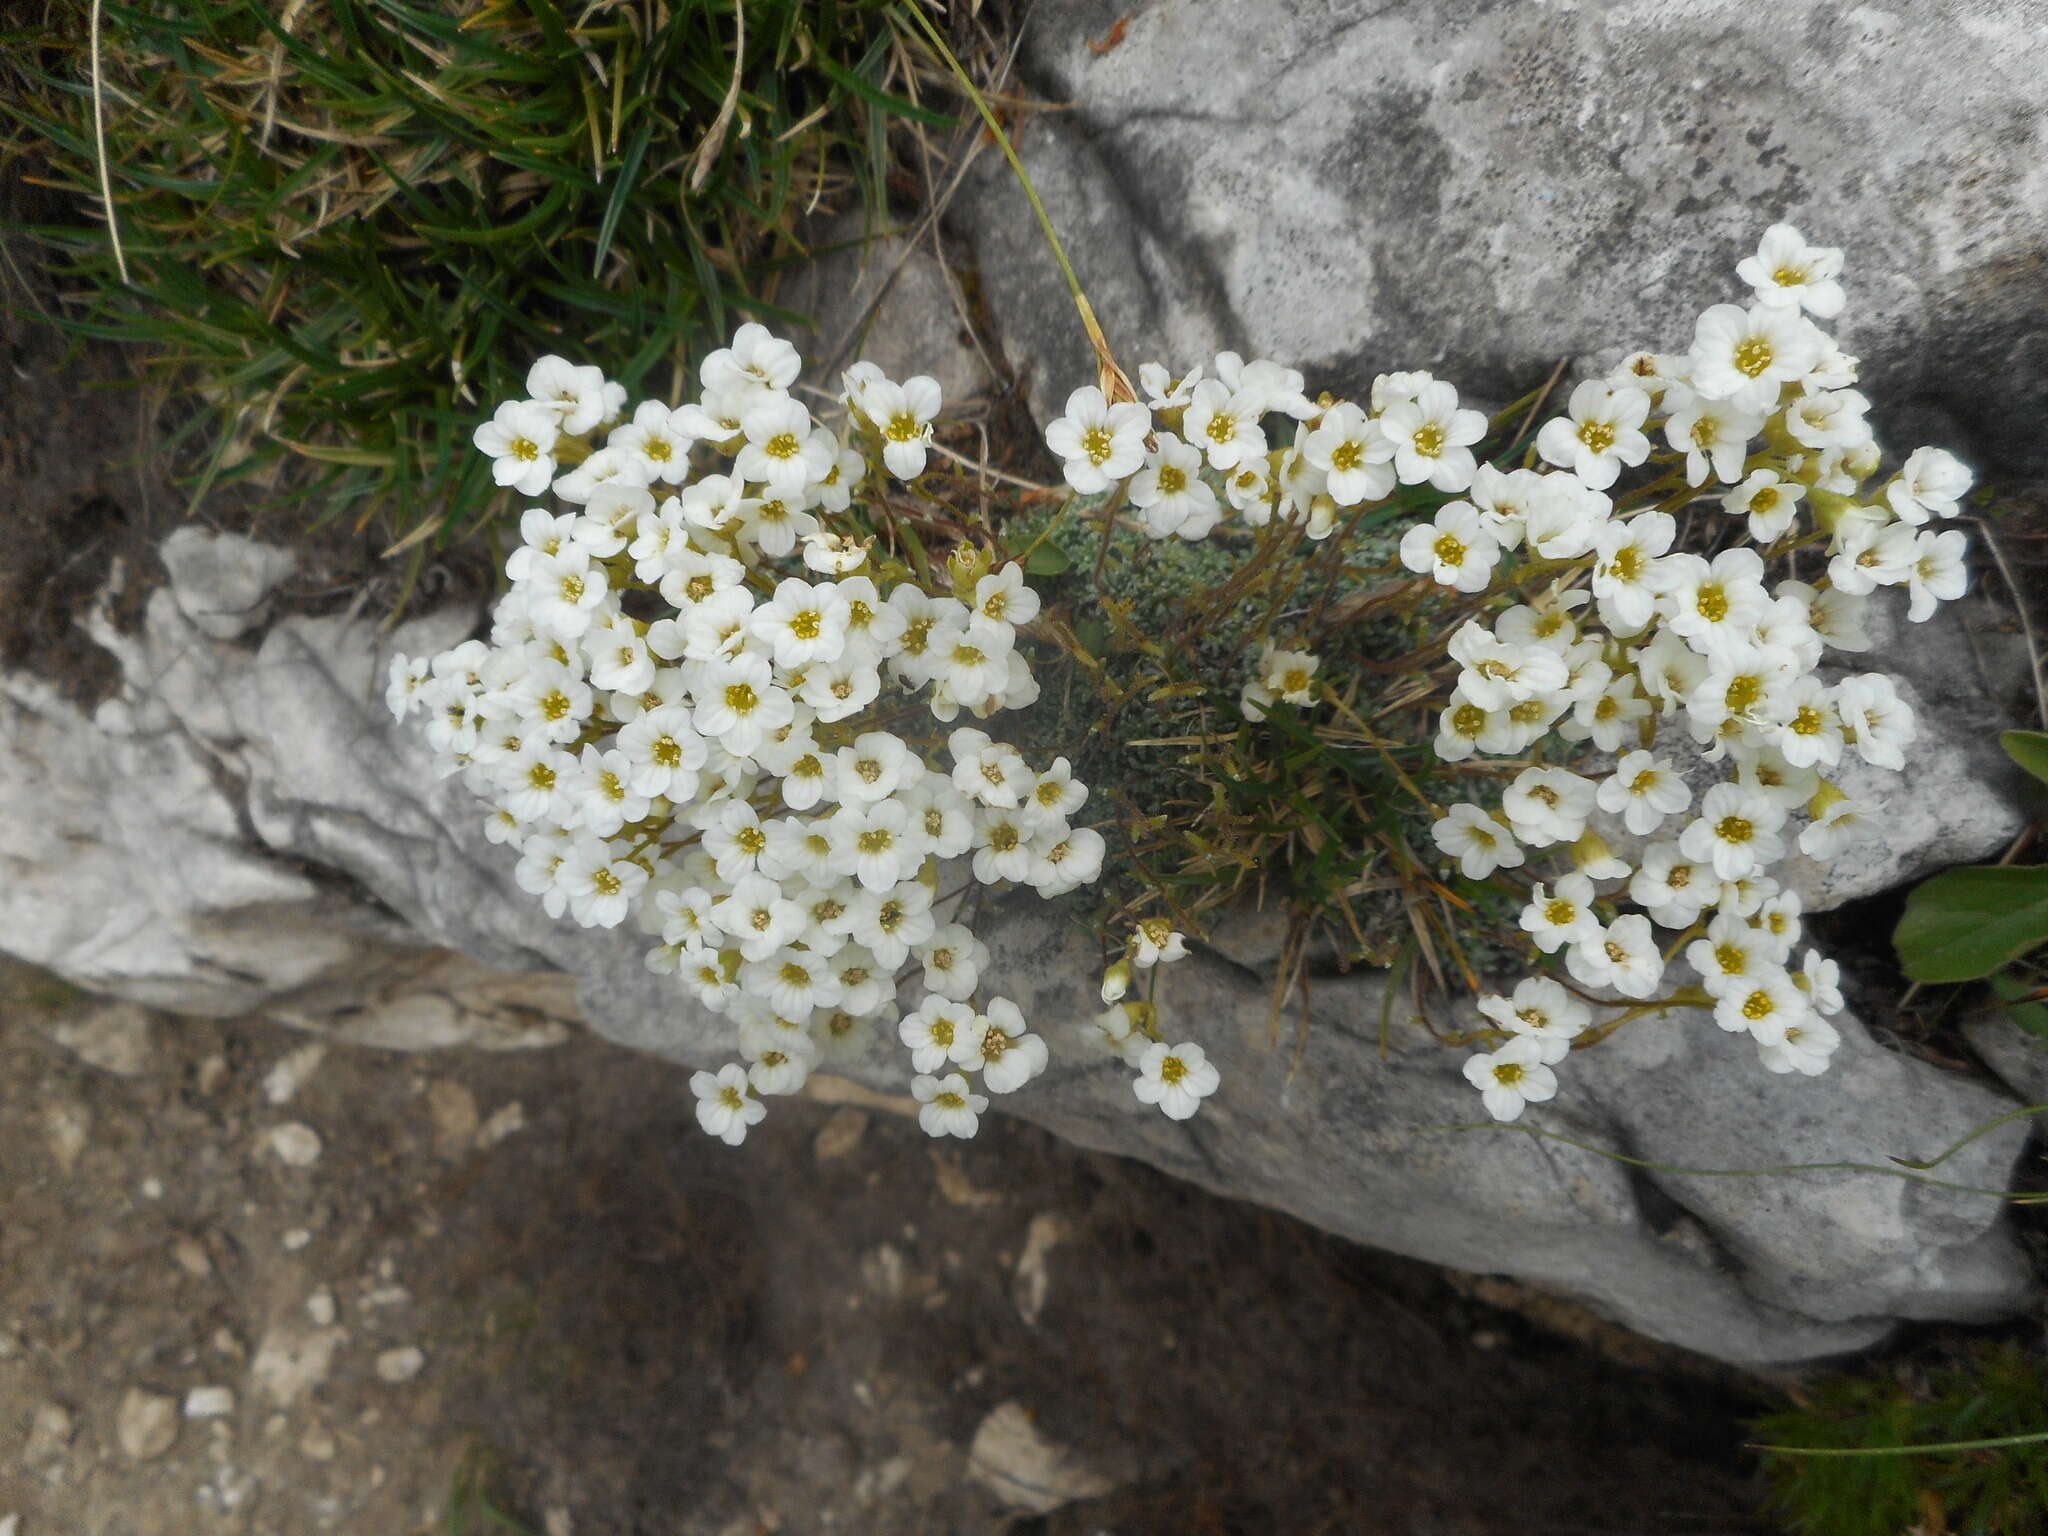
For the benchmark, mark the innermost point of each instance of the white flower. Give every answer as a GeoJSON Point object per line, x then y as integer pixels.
{"type": "Point", "coordinates": [991, 772]}
{"type": "Point", "coordinates": [1540, 1010]}
{"type": "Point", "coordinates": [1871, 553]}
{"type": "Point", "coordinates": [1623, 956]}
{"type": "Point", "coordinates": [1454, 549]}
{"type": "Point", "coordinates": [1054, 796]}
{"type": "Point", "coordinates": [1154, 940]}
{"type": "Point", "coordinates": [1176, 1078]}
{"type": "Point", "coordinates": [605, 799]}
{"type": "Point", "coordinates": [759, 916]}
{"type": "Point", "coordinates": [1432, 438]}
{"type": "Point", "coordinates": [1804, 1048]}
{"type": "Point", "coordinates": [1498, 674]}
{"type": "Point", "coordinates": [576, 395]}
{"type": "Point", "coordinates": [1713, 435]}
{"type": "Point", "coordinates": [1716, 605]}
{"type": "Point", "coordinates": [1839, 824]}
{"type": "Point", "coordinates": [1747, 356]}
{"type": "Point", "coordinates": [519, 440]}
{"type": "Point", "coordinates": [1882, 723]}
{"type": "Point", "coordinates": [725, 1106]}
{"type": "Point", "coordinates": [653, 437]}
{"type": "Point", "coordinates": [1115, 1031]}
{"type": "Point", "coordinates": [1732, 955]}
{"type": "Point", "coordinates": [405, 679]}
{"type": "Point", "coordinates": [1224, 425]}
{"type": "Point", "coordinates": [1821, 980]}
{"type": "Point", "coordinates": [1478, 840]}
{"type": "Point", "coordinates": [737, 705]}
{"type": "Point", "coordinates": [949, 1109]}
{"type": "Point", "coordinates": [1512, 1077]}
{"type": "Point", "coordinates": [1002, 847]}
{"type": "Point", "coordinates": [607, 466]}
{"type": "Point", "coordinates": [1548, 805]}
{"type": "Point", "coordinates": [1355, 457]}
{"type": "Point", "coordinates": [1171, 493]}
{"type": "Point", "coordinates": [1829, 418]}
{"type": "Point", "coordinates": [1787, 273]}
{"type": "Point", "coordinates": [564, 592]}
{"type": "Point", "coordinates": [1643, 790]}
{"type": "Point", "coordinates": [953, 959]}
{"type": "Point", "coordinates": [874, 843]}
{"type": "Point", "coordinates": [1810, 729]}
{"type": "Point", "coordinates": [1163, 392]}
{"type": "Point", "coordinates": [802, 623]}
{"type": "Point", "coordinates": [1099, 443]}
{"type": "Point", "coordinates": [1672, 888]}
{"type": "Point", "coordinates": [1736, 832]}
{"type": "Point", "coordinates": [1603, 432]}
{"type": "Point", "coordinates": [998, 1047]}
{"type": "Point", "coordinates": [1932, 484]}
{"type": "Point", "coordinates": [601, 882]}
{"type": "Point", "coordinates": [1938, 573]}
{"type": "Point", "coordinates": [756, 362]}
{"type": "Point", "coordinates": [1554, 918]}
{"type": "Point", "coordinates": [1770, 502]}
{"type": "Point", "coordinates": [783, 451]}
{"type": "Point", "coordinates": [1763, 1002]}
{"type": "Point", "coordinates": [903, 414]}
{"type": "Point", "coordinates": [938, 1028]}
{"type": "Point", "coordinates": [1628, 569]}
{"type": "Point", "coordinates": [890, 922]}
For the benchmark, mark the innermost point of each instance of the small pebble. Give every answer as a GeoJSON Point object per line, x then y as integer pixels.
{"type": "Point", "coordinates": [296, 1144]}
{"type": "Point", "coordinates": [146, 1423]}
{"type": "Point", "coordinates": [397, 1365]}
{"type": "Point", "coordinates": [209, 1402]}
{"type": "Point", "coordinates": [320, 1307]}
{"type": "Point", "coordinates": [296, 1239]}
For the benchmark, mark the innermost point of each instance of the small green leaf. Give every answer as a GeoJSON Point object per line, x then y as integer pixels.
{"type": "Point", "coordinates": [1048, 560]}
{"type": "Point", "coordinates": [1966, 923]}
{"type": "Point", "coordinates": [2029, 749]}
{"type": "Point", "coordinates": [2032, 1017]}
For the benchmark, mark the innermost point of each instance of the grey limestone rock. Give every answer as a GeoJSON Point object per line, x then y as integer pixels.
{"type": "Point", "coordinates": [246, 829]}
{"type": "Point", "coordinates": [1483, 189]}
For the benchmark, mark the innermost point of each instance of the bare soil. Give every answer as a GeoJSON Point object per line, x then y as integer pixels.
{"type": "Point", "coordinates": [629, 1329]}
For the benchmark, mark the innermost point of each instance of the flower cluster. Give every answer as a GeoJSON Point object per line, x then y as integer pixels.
{"type": "Point", "coordinates": [681, 718]}
{"type": "Point", "coordinates": [692, 707]}
{"type": "Point", "coordinates": [1595, 626]}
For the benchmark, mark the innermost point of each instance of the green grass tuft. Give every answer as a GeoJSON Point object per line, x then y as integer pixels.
{"type": "Point", "coordinates": [350, 225]}
{"type": "Point", "coordinates": [1988, 1491]}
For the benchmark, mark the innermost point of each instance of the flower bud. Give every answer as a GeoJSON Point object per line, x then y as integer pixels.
{"type": "Point", "coordinates": [1116, 981]}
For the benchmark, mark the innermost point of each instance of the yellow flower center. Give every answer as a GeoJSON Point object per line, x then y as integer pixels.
{"type": "Point", "coordinates": [1172, 1070]}
{"type": "Point", "coordinates": [1596, 435]}
{"type": "Point", "coordinates": [1448, 549]}
{"type": "Point", "coordinates": [1428, 440]}
{"type": "Point", "coordinates": [1098, 443]}
{"type": "Point", "coordinates": [741, 699]}
{"type": "Point", "coordinates": [1752, 356]}
{"type": "Point", "coordinates": [1734, 829]}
